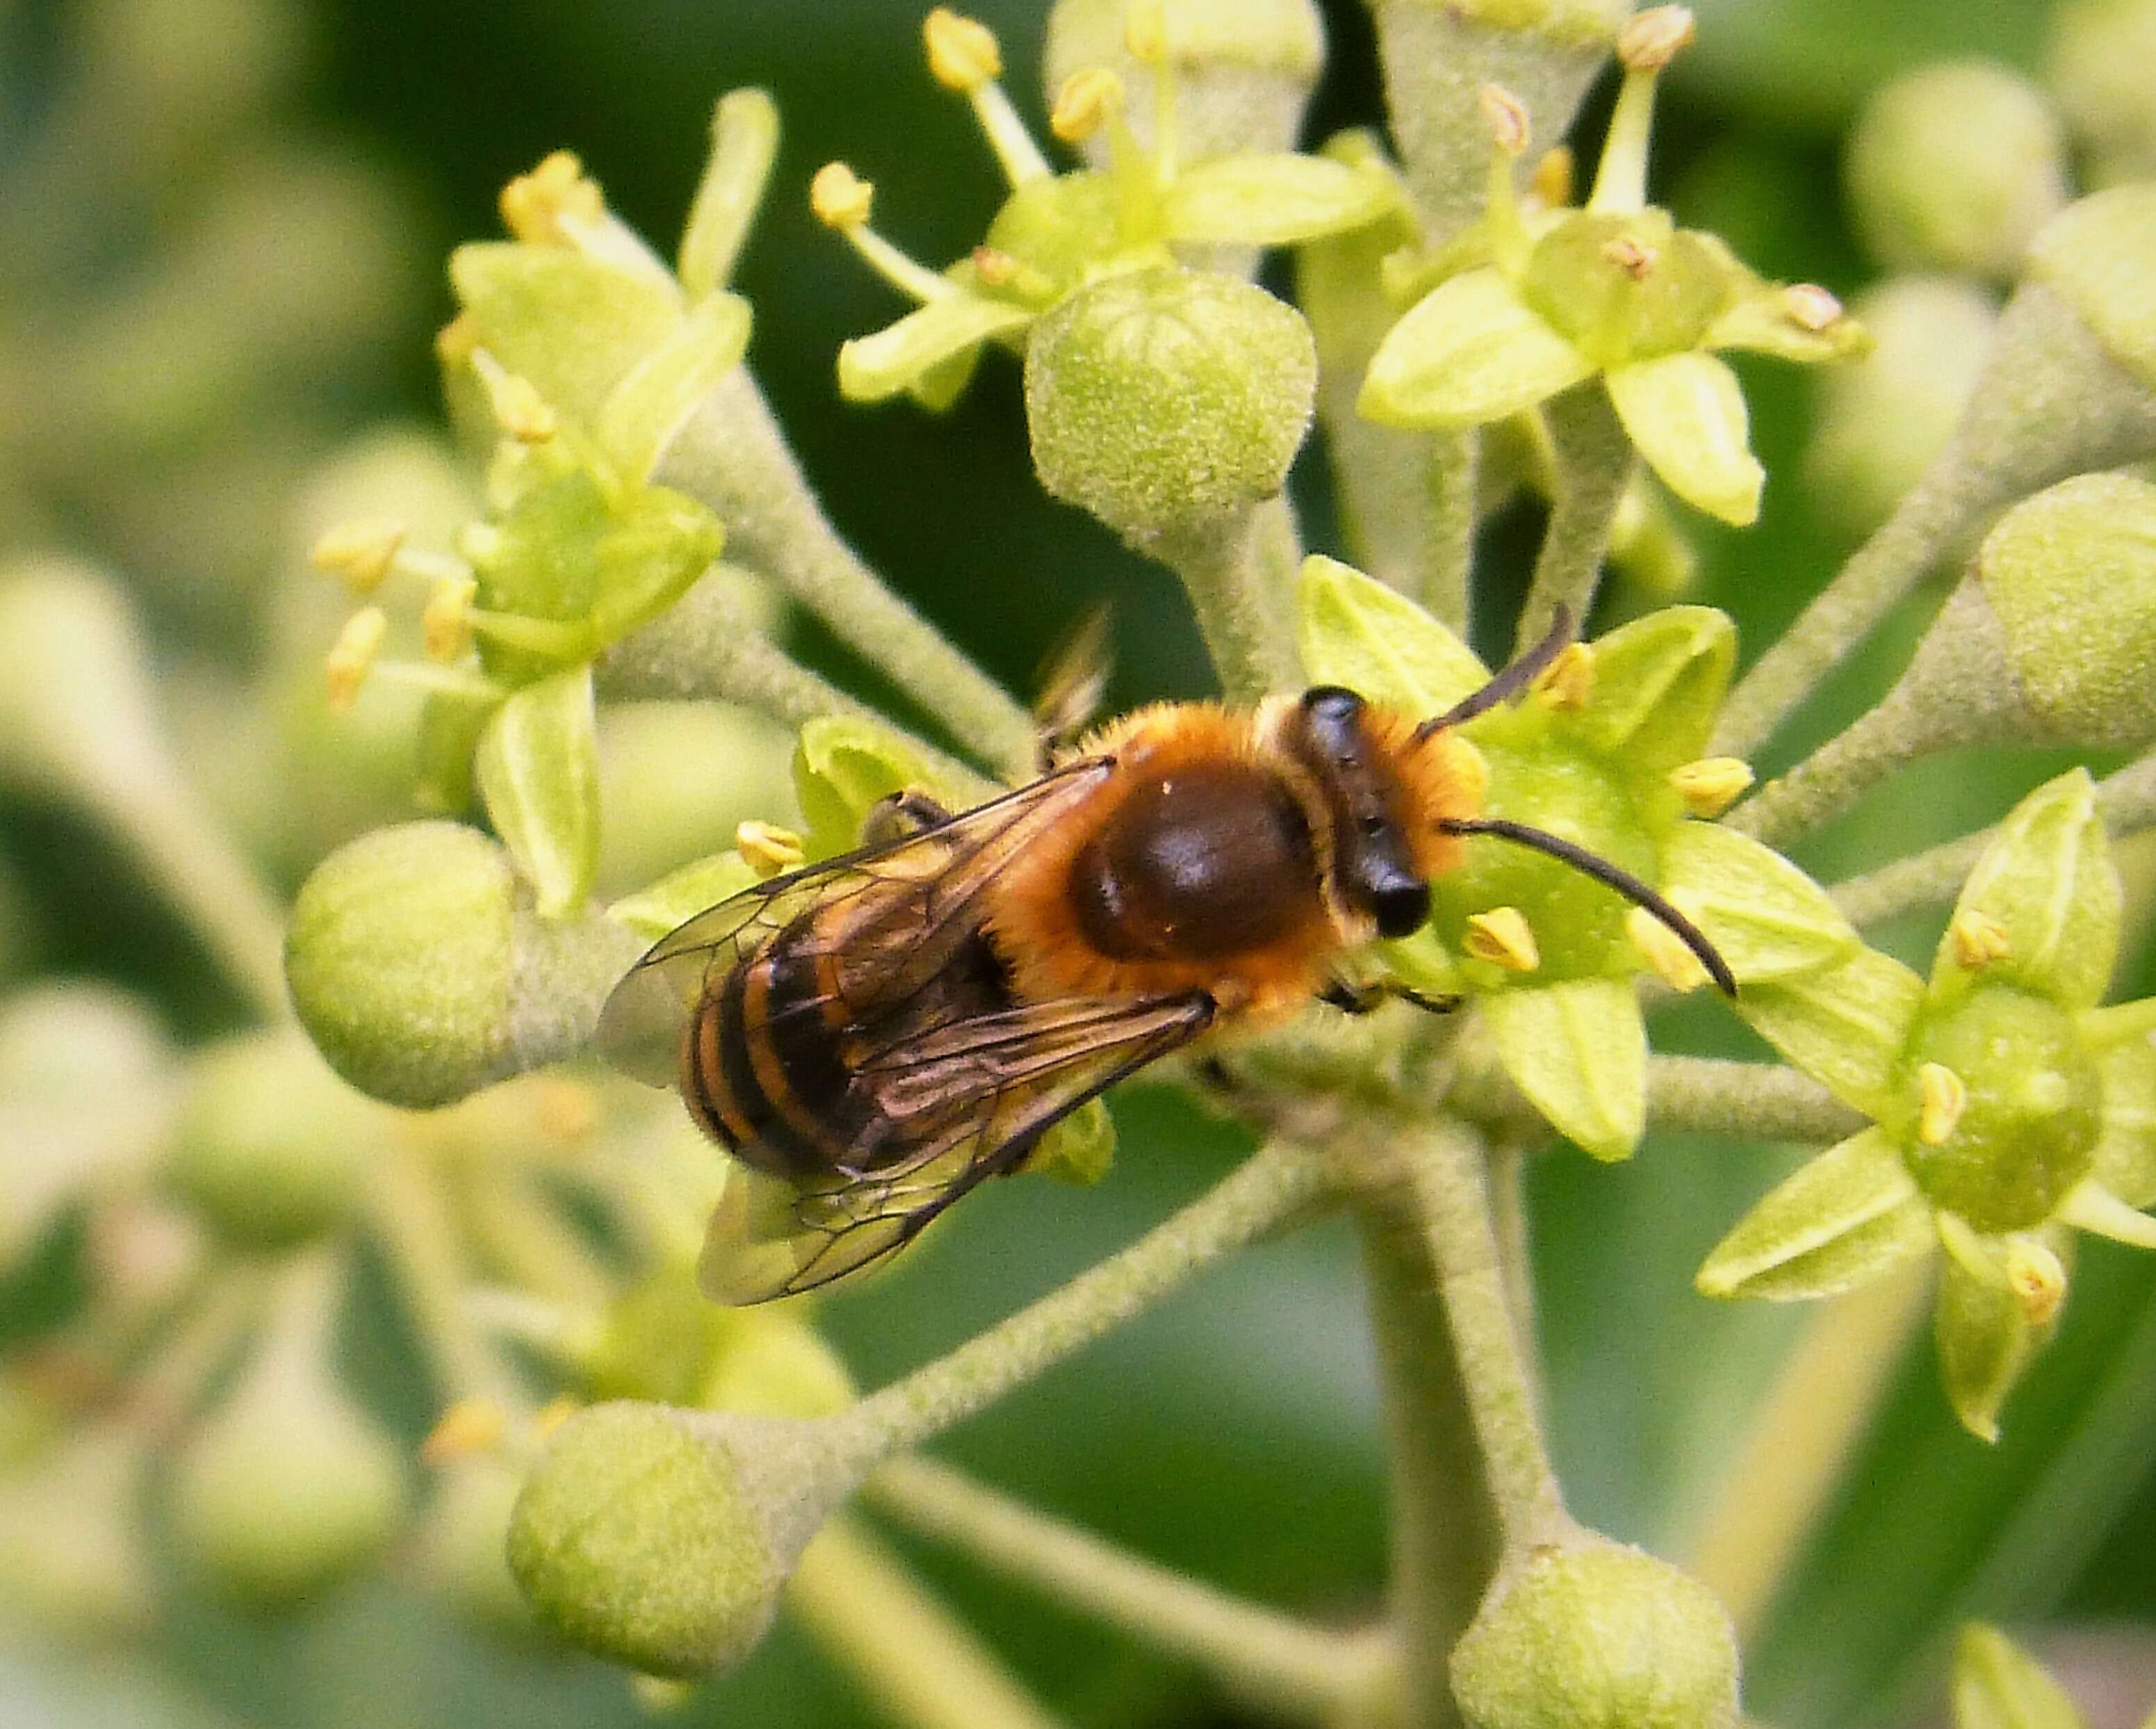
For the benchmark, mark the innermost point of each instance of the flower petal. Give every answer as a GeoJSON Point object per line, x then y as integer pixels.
{"type": "Point", "coordinates": [1985, 1338]}
{"type": "Point", "coordinates": [1273, 200]}
{"type": "Point", "coordinates": [1998, 1686]}
{"type": "Point", "coordinates": [2125, 1158]}
{"type": "Point", "coordinates": [1658, 684]}
{"type": "Point", "coordinates": [680, 896]}
{"type": "Point", "coordinates": [874, 368]}
{"type": "Point", "coordinates": [1838, 1222]}
{"type": "Point", "coordinates": [1352, 629]}
{"type": "Point", "coordinates": [663, 389]}
{"type": "Point", "coordinates": [538, 770]}
{"type": "Point", "coordinates": [1578, 1051]}
{"type": "Point", "coordinates": [2090, 1207]}
{"type": "Point", "coordinates": [1769, 920]}
{"type": "Point", "coordinates": [1845, 1025]}
{"type": "Point", "coordinates": [1468, 352]}
{"type": "Point", "coordinates": [842, 767]}
{"type": "Point", "coordinates": [1687, 415]}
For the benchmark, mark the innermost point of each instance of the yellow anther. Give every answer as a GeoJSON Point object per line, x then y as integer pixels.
{"type": "Point", "coordinates": [1630, 254]}
{"type": "Point", "coordinates": [352, 654]}
{"type": "Point", "coordinates": [1652, 38]}
{"type": "Point", "coordinates": [768, 848]}
{"type": "Point", "coordinates": [1809, 306]}
{"type": "Point", "coordinates": [537, 207]}
{"type": "Point", "coordinates": [445, 626]}
{"type": "Point", "coordinates": [1088, 100]}
{"type": "Point", "coordinates": [1145, 32]}
{"type": "Point", "coordinates": [1944, 1096]}
{"type": "Point", "coordinates": [1507, 117]}
{"type": "Point", "coordinates": [1552, 181]}
{"type": "Point", "coordinates": [359, 552]}
{"type": "Point", "coordinates": [1979, 940]}
{"type": "Point", "coordinates": [1503, 937]}
{"type": "Point", "coordinates": [2037, 1279]}
{"type": "Point", "coordinates": [469, 1428]}
{"type": "Point", "coordinates": [840, 196]}
{"type": "Point", "coordinates": [565, 1110]}
{"type": "Point", "coordinates": [1668, 953]}
{"type": "Point", "coordinates": [962, 54]}
{"type": "Point", "coordinates": [1567, 681]}
{"type": "Point", "coordinates": [1711, 785]}
{"type": "Point", "coordinates": [552, 1415]}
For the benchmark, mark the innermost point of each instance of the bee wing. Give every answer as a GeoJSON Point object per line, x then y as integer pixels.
{"type": "Point", "coordinates": [894, 914]}
{"type": "Point", "coordinates": [970, 1101]}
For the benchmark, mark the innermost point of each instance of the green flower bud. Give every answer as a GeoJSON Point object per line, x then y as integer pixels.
{"type": "Point", "coordinates": [1439, 56]}
{"type": "Point", "coordinates": [2027, 1131]}
{"type": "Point", "coordinates": [1243, 69]}
{"type": "Point", "coordinates": [1598, 1633]}
{"type": "Point", "coordinates": [288, 1487]}
{"type": "Point", "coordinates": [2100, 256]}
{"type": "Point", "coordinates": [422, 976]}
{"type": "Point", "coordinates": [1997, 1686]}
{"type": "Point", "coordinates": [1954, 167]}
{"type": "Point", "coordinates": [462, 1543]}
{"type": "Point", "coordinates": [660, 1538]}
{"type": "Point", "coordinates": [1882, 418]}
{"type": "Point", "coordinates": [271, 1147]}
{"type": "Point", "coordinates": [86, 1085]}
{"type": "Point", "coordinates": [2099, 55]}
{"type": "Point", "coordinates": [1164, 400]}
{"type": "Point", "coordinates": [71, 1551]}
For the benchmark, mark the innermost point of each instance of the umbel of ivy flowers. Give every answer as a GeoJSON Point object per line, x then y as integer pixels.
{"type": "Point", "coordinates": [2006, 1106]}
{"type": "Point", "coordinates": [1533, 303]}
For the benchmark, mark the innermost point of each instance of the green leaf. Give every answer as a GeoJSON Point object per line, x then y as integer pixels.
{"type": "Point", "coordinates": [1078, 1149]}
{"type": "Point", "coordinates": [842, 767]}
{"type": "Point", "coordinates": [1468, 352]}
{"type": "Point", "coordinates": [1998, 1686]}
{"type": "Point", "coordinates": [655, 400]}
{"type": "Point", "coordinates": [680, 896]}
{"type": "Point", "coordinates": [1770, 920]}
{"type": "Point", "coordinates": [1273, 200]}
{"type": "Point", "coordinates": [1658, 682]}
{"type": "Point", "coordinates": [1353, 631]}
{"type": "Point", "coordinates": [1578, 1051]}
{"type": "Point", "coordinates": [1687, 415]}
{"type": "Point", "coordinates": [1984, 1337]}
{"type": "Point", "coordinates": [1845, 1024]}
{"type": "Point", "coordinates": [574, 327]}
{"type": "Point", "coordinates": [538, 769]}
{"type": "Point", "coordinates": [1839, 1221]}
{"type": "Point", "coordinates": [2048, 882]}
{"type": "Point", "coordinates": [895, 358]}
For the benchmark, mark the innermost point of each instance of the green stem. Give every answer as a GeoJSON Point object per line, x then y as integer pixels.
{"type": "Point", "coordinates": [204, 1333]}
{"type": "Point", "coordinates": [412, 1221]}
{"type": "Point", "coordinates": [1749, 1101]}
{"type": "Point", "coordinates": [734, 458]}
{"type": "Point", "coordinates": [1239, 576]}
{"type": "Point", "coordinates": [1446, 1177]}
{"type": "Point", "coordinates": [1269, 1187]}
{"type": "Point", "coordinates": [1445, 1537]}
{"type": "Point", "coordinates": [2127, 800]}
{"type": "Point", "coordinates": [1801, 1435]}
{"type": "Point", "coordinates": [922, 1666]}
{"type": "Point", "coordinates": [1282, 1665]}
{"type": "Point", "coordinates": [1448, 557]}
{"type": "Point", "coordinates": [711, 645]}
{"type": "Point", "coordinates": [1594, 460]}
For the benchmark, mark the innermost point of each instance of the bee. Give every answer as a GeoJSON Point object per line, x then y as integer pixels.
{"type": "Point", "coordinates": [879, 1033]}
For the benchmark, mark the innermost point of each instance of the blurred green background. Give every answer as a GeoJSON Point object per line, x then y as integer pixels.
{"type": "Point", "coordinates": [186, 336]}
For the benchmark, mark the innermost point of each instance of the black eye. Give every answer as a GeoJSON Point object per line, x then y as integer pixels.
{"type": "Point", "coordinates": [1400, 907]}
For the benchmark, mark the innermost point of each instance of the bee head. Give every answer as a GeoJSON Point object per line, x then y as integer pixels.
{"type": "Point", "coordinates": [1373, 861]}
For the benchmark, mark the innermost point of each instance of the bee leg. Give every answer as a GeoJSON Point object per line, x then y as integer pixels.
{"type": "Point", "coordinates": [900, 816]}
{"type": "Point", "coordinates": [1365, 999]}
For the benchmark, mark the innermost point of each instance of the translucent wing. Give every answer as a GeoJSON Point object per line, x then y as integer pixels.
{"type": "Point", "coordinates": [971, 1100]}
{"type": "Point", "coordinates": [892, 916]}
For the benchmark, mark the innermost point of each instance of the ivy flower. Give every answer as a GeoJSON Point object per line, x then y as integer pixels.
{"type": "Point", "coordinates": [1058, 233]}
{"type": "Point", "coordinates": [580, 356]}
{"type": "Point", "coordinates": [2006, 1106]}
{"type": "Point", "coordinates": [1606, 751]}
{"type": "Point", "coordinates": [1538, 303]}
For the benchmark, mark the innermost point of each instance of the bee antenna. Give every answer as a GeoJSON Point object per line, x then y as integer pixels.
{"type": "Point", "coordinates": [1504, 686]}
{"type": "Point", "coordinates": [1607, 874]}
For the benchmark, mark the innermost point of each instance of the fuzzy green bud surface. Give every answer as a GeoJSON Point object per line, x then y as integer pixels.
{"type": "Point", "coordinates": [2101, 52]}
{"type": "Point", "coordinates": [659, 1539]}
{"type": "Point", "coordinates": [1954, 167]}
{"type": "Point", "coordinates": [1162, 399]}
{"type": "Point", "coordinates": [2100, 256]}
{"type": "Point", "coordinates": [1598, 1637]}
